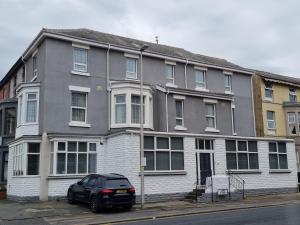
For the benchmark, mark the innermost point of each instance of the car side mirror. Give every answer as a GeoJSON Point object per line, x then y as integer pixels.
{"type": "Point", "coordinates": [79, 183]}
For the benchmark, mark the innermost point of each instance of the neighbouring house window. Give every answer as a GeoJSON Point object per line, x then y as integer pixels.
{"type": "Point", "coordinates": [292, 122]}
{"type": "Point", "coordinates": [131, 68]}
{"type": "Point", "coordinates": [20, 105]}
{"type": "Point", "coordinates": [293, 95]}
{"type": "Point", "coordinates": [31, 107]}
{"type": "Point", "coordinates": [278, 155]}
{"type": "Point", "coordinates": [120, 108]}
{"type": "Point", "coordinates": [5, 166]}
{"type": "Point", "coordinates": [26, 159]}
{"type": "Point", "coordinates": [164, 153]}
{"type": "Point", "coordinates": [268, 91]}
{"type": "Point", "coordinates": [9, 121]}
{"type": "Point", "coordinates": [241, 155]}
{"type": "Point", "coordinates": [233, 120]}
{"type": "Point", "coordinates": [299, 121]}
{"type": "Point", "coordinates": [210, 114]}
{"type": "Point", "coordinates": [79, 106]}
{"type": "Point", "coordinates": [80, 59]}
{"type": "Point", "coordinates": [204, 144]}
{"type": "Point", "coordinates": [271, 120]}
{"type": "Point", "coordinates": [136, 109]}
{"type": "Point", "coordinates": [227, 82]}
{"type": "Point", "coordinates": [75, 157]}
{"type": "Point", "coordinates": [170, 73]}
{"type": "Point", "coordinates": [200, 79]}
{"type": "Point", "coordinates": [34, 66]}
{"type": "Point", "coordinates": [179, 112]}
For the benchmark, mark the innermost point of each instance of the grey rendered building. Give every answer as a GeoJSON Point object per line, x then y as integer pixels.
{"type": "Point", "coordinates": [79, 113]}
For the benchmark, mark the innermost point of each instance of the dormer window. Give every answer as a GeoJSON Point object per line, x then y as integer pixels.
{"type": "Point", "coordinates": [293, 95]}
{"type": "Point", "coordinates": [268, 91]}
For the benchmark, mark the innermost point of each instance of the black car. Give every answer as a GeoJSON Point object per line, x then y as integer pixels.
{"type": "Point", "coordinates": [103, 191]}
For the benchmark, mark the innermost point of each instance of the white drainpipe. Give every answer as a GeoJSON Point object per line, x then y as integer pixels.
{"type": "Point", "coordinates": [167, 113]}
{"type": "Point", "coordinates": [108, 88]}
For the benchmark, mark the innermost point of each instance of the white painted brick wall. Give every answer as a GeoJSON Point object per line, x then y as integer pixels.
{"type": "Point", "coordinates": [59, 187]}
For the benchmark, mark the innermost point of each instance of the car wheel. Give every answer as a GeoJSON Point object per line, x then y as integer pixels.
{"type": "Point", "coordinates": [95, 207]}
{"type": "Point", "coordinates": [71, 197]}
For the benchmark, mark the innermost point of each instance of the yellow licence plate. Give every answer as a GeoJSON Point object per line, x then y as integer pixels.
{"type": "Point", "coordinates": [121, 191]}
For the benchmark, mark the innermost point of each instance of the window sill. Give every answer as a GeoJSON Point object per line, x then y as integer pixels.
{"type": "Point", "coordinates": [243, 171]}
{"type": "Point", "coordinates": [229, 93]}
{"type": "Point", "coordinates": [164, 173]}
{"type": "Point", "coordinates": [130, 125]}
{"type": "Point", "coordinates": [80, 73]}
{"type": "Point", "coordinates": [171, 85]}
{"type": "Point", "coordinates": [234, 134]}
{"type": "Point", "coordinates": [77, 124]}
{"type": "Point", "coordinates": [131, 78]}
{"type": "Point", "coordinates": [27, 124]}
{"type": "Point", "coordinates": [27, 176]}
{"type": "Point", "coordinates": [201, 89]}
{"type": "Point", "coordinates": [280, 171]}
{"type": "Point", "coordinates": [271, 131]}
{"type": "Point", "coordinates": [180, 128]}
{"type": "Point", "coordinates": [268, 99]}
{"type": "Point", "coordinates": [213, 130]}
{"type": "Point", "coordinates": [64, 176]}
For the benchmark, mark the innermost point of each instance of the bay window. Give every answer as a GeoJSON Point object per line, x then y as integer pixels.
{"type": "Point", "coordinates": [126, 108]}
{"type": "Point", "coordinates": [73, 157]}
{"type": "Point", "coordinates": [164, 153]}
{"type": "Point", "coordinates": [26, 159]}
{"type": "Point", "coordinates": [31, 107]}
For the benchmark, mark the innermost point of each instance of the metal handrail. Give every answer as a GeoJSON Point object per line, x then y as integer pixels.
{"type": "Point", "coordinates": [237, 182]}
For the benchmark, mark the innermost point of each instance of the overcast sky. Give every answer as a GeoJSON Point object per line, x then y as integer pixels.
{"type": "Point", "coordinates": [258, 34]}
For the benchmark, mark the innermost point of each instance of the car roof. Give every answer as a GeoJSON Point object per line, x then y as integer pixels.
{"type": "Point", "coordinates": [109, 175]}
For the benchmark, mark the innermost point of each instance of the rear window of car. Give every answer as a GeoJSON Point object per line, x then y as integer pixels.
{"type": "Point", "coordinates": [117, 183]}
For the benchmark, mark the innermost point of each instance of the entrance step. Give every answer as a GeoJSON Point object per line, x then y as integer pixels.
{"type": "Point", "coordinates": [191, 196]}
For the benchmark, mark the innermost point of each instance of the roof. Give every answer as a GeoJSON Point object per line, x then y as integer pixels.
{"type": "Point", "coordinates": [166, 50]}
{"type": "Point", "coordinates": [278, 77]}
{"type": "Point", "coordinates": [12, 71]}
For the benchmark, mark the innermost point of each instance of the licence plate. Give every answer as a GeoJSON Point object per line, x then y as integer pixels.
{"type": "Point", "coordinates": [121, 191]}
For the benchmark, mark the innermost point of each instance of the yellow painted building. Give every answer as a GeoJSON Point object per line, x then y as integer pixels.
{"type": "Point", "coordinates": [277, 107]}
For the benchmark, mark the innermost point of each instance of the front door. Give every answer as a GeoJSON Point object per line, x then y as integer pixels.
{"type": "Point", "coordinates": [204, 167]}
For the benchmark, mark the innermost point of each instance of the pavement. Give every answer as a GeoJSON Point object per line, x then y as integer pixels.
{"type": "Point", "coordinates": [62, 213]}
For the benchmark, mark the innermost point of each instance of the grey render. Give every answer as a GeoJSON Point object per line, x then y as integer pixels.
{"type": "Point", "coordinates": [55, 63]}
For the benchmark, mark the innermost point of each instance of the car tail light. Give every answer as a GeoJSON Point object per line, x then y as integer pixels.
{"type": "Point", "coordinates": [106, 191]}
{"type": "Point", "coordinates": [132, 190]}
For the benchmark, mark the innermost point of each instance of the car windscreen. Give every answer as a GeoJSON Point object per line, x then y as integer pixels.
{"type": "Point", "coordinates": [117, 183]}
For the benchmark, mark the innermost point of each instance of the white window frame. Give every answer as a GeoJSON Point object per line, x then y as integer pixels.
{"type": "Point", "coordinates": [55, 151]}
{"type": "Point", "coordinates": [26, 105]}
{"type": "Point", "coordinates": [81, 48]}
{"type": "Point", "coordinates": [34, 66]}
{"type": "Point", "coordinates": [278, 154]}
{"type": "Point", "coordinates": [228, 89]}
{"type": "Point", "coordinates": [201, 86]}
{"type": "Point", "coordinates": [20, 158]}
{"type": "Point", "coordinates": [128, 91]}
{"type": "Point", "coordinates": [123, 103]}
{"type": "Point", "coordinates": [269, 89]}
{"type": "Point", "coordinates": [291, 123]}
{"type": "Point", "coordinates": [169, 150]}
{"type": "Point", "coordinates": [236, 152]}
{"type": "Point", "coordinates": [131, 75]}
{"type": "Point", "coordinates": [214, 116]}
{"type": "Point", "coordinates": [82, 90]}
{"type": "Point", "coordinates": [170, 80]}
{"type": "Point", "coordinates": [272, 121]}
{"type": "Point", "coordinates": [182, 111]}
